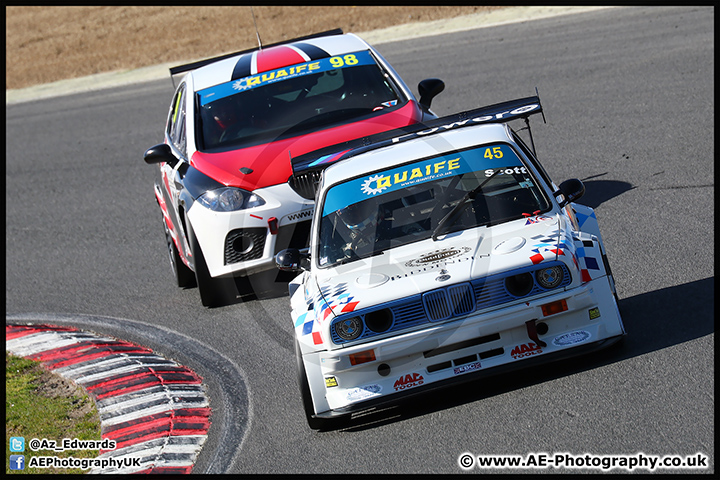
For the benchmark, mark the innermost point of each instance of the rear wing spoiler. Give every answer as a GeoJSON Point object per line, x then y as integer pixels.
{"type": "Point", "coordinates": [503, 112]}
{"type": "Point", "coordinates": [175, 72]}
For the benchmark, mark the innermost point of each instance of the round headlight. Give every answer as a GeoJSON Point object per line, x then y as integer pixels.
{"type": "Point", "coordinates": [379, 321]}
{"type": "Point", "coordinates": [349, 328]}
{"type": "Point", "coordinates": [549, 277]}
{"type": "Point", "coordinates": [519, 285]}
{"type": "Point", "coordinates": [229, 199]}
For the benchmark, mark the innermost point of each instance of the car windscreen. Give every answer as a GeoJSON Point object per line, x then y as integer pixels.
{"type": "Point", "coordinates": [294, 100]}
{"type": "Point", "coordinates": [481, 186]}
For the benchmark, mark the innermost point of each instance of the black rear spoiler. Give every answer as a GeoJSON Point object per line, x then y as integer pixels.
{"type": "Point", "coordinates": [201, 63]}
{"type": "Point", "coordinates": [498, 113]}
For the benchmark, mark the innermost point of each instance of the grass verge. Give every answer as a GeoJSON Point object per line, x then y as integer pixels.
{"type": "Point", "coordinates": [42, 405]}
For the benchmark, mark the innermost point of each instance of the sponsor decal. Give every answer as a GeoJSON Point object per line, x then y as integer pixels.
{"type": "Point", "coordinates": [437, 256]}
{"type": "Point", "coordinates": [537, 219]}
{"type": "Point", "coordinates": [408, 381]}
{"type": "Point", "coordinates": [571, 338]}
{"type": "Point", "coordinates": [524, 109]}
{"type": "Point", "coordinates": [429, 171]}
{"type": "Point", "coordinates": [253, 81]}
{"type": "Point", "coordinates": [505, 171]}
{"type": "Point", "coordinates": [466, 368]}
{"type": "Point", "coordinates": [525, 350]}
{"type": "Point", "coordinates": [298, 215]}
{"type": "Point", "coordinates": [594, 313]}
{"type": "Point", "coordinates": [331, 382]}
{"type": "Point", "coordinates": [477, 160]}
{"type": "Point", "coordinates": [361, 393]}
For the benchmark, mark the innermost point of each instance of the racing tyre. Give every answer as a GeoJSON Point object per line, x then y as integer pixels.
{"type": "Point", "coordinates": [184, 277]}
{"type": "Point", "coordinates": [314, 423]}
{"type": "Point", "coordinates": [214, 292]}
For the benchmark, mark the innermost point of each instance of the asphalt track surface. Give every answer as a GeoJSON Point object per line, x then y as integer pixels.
{"type": "Point", "coordinates": [628, 95]}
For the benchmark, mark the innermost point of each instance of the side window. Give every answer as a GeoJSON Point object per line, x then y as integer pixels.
{"type": "Point", "coordinates": [532, 159]}
{"type": "Point", "coordinates": [176, 121]}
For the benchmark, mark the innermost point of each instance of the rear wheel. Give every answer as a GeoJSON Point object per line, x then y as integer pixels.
{"type": "Point", "coordinates": [214, 292]}
{"type": "Point", "coordinates": [184, 277]}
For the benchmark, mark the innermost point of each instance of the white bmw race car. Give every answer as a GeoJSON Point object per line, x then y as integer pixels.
{"type": "Point", "coordinates": [438, 254]}
{"type": "Point", "coordinates": [226, 189]}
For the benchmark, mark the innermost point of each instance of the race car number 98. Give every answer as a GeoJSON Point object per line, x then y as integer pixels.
{"type": "Point", "coordinates": [338, 62]}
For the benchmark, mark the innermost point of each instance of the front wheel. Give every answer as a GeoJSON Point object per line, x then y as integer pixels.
{"type": "Point", "coordinates": [184, 277]}
{"type": "Point", "coordinates": [313, 423]}
{"type": "Point", "coordinates": [214, 292]}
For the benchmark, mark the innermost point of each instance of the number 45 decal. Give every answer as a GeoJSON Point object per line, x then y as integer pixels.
{"type": "Point", "coordinates": [495, 152]}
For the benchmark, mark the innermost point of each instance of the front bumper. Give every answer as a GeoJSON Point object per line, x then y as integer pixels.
{"type": "Point", "coordinates": [470, 377]}
{"type": "Point", "coordinates": [480, 345]}
{"type": "Point", "coordinates": [246, 241]}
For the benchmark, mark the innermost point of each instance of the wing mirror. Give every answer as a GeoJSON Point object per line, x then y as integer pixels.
{"type": "Point", "coordinates": [160, 154]}
{"type": "Point", "coordinates": [429, 89]}
{"type": "Point", "coordinates": [570, 190]}
{"type": "Point", "coordinates": [292, 260]}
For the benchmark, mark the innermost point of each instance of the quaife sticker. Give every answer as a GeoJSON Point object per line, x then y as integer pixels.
{"type": "Point", "coordinates": [483, 159]}
{"type": "Point", "coordinates": [223, 90]}
{"type": "Point", "coordinates": [571, 338]}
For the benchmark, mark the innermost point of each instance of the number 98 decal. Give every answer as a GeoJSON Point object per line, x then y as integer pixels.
{"type": "Point", "coordinates": [349, 59]}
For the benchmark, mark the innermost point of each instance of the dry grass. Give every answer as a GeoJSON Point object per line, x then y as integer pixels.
{"type": "Point", "coordinates": [46, 44]}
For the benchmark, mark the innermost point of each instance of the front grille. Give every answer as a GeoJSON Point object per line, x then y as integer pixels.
{"type": "Point", "coordinates": [452, 301]}
{"type": "Point", "coordinates": [244, 244]}
{"type": "Point", "coordinates": [305, 184]}
{"type": "Point", "coordinates": [436, 305]}
{"type": "Point", "coordinates": [449, 302]}
{"type": "Point", "coordinates": [461, 299]}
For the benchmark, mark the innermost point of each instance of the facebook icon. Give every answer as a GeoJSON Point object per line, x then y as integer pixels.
{"type": "Point", "coordinates": [17, 462]}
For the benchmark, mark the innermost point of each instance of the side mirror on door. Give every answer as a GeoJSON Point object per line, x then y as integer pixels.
{"type": "Point", "coordinates": [160, 154]}
{"type": "Point", "coordinates": [570, 190]}
{"type": "Point", "coordinates": [292, 260]}
{"type": "Point", "coordinates": [429, 89]}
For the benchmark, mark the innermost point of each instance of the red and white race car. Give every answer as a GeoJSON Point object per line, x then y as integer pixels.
{"type": "Point", "coordinates": [226, 188]}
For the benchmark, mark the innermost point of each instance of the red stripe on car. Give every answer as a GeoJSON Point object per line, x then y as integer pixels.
{"type": "Point", "coordinates": [270, 161]}
{"type": "Point", "coordinates": [277, 57]}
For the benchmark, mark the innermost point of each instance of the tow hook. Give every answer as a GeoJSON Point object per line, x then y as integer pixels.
{"type": "Point", "coordinates": [532, 333]}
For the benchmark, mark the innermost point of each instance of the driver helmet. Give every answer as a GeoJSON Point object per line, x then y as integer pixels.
{"type": "Point", "coordinates": [223, 112]}
{"type": "Point", "coordinates": [358, 216]}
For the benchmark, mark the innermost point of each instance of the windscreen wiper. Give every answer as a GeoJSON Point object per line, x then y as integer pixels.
{"type": "Point", "coordinates": [461, 204]}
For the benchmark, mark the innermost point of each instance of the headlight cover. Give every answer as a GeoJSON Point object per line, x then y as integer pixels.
{"type": "Point", "coordinates": [549, 277]}
{"type": "Point", "coordinates": [229, 199]}
{"type": "Point", "coordinates": [349, 328]}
